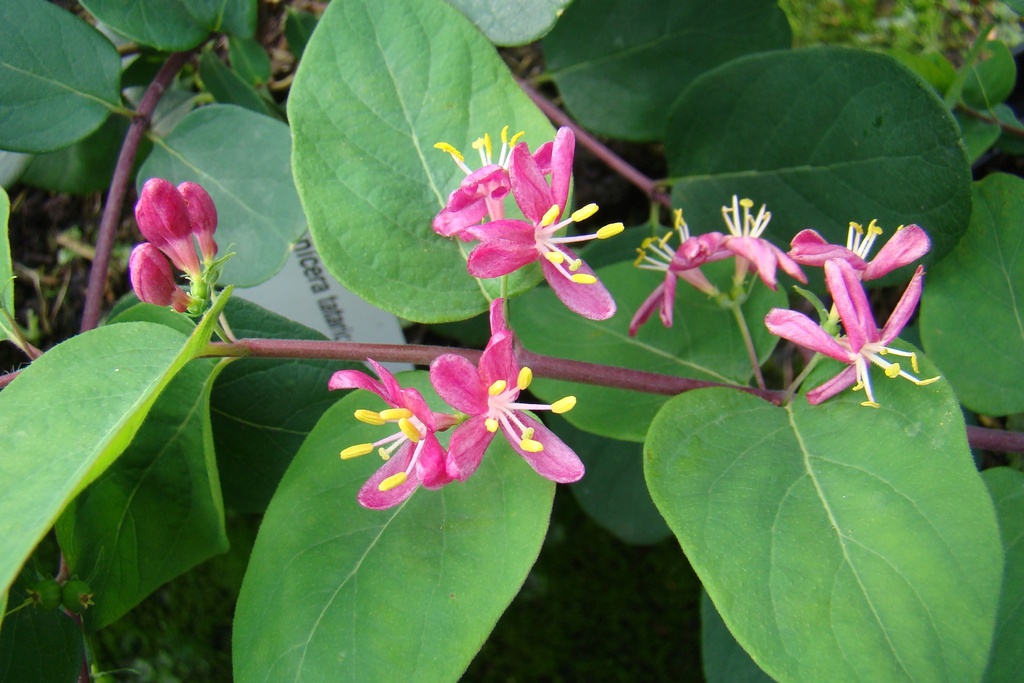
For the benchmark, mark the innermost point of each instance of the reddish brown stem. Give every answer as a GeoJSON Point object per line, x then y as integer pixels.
{"type": "Point", "coordinates": [119, 188]}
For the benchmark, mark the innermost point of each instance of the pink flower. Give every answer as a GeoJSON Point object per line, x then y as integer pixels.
{"type": "Point", "coordinates": [202, 214]}
{"type": "Point", "coordinates": [904, 247]}
{"type": "Point", "coordinates": [153, 280]}
{"type": "Point", "coordinates": [744, 240]}
{"type": "Point", "coordinates": [164, 221]}
{"type": "Point", "coordinates": [488, 393]}
{"type": "Point", "coordinates": [412, 455]}
{"type": "Point", "coordinates": [683, 263]}
{"type": "Point", "coordinates": [507, 244]}
{"type": "Point", "coordinates": [864, 344]}
{"type": "Point", "coordinates": [482, 193]}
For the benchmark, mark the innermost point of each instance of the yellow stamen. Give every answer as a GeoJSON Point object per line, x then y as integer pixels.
{"type": "Point", "coordinates": [515, 138]}
{"type": "Point", "coordinates": [392, 481]}
{"type": "Point", "coordinates": [858, 386]}
{"type": "Point", "coordinates": [550, 216]}
{"type": "Point", "coordinates": [679, 218]}
{"type": "Point", "coordinates": [610, 230]}
{"type": "Point", "coordinates": [531, 446]}
{"type": "Point", "coordinates": [747, 203]}
{"type": "Point", "coordinates": [913, 362]}
{"type": "Point", "coordinates": [524, 379]}
{"type": "Point", "coordinates": [555, 257]}
{"type": "Point", "coordinates": [395, 414]}
{"type": "Point", "coordinates": [563, 405]}
{"type": "Point", "coordinates": [383, 453]}
{"type": "Point", "coordinates": [926, 382]}
{"type": "Point", "coordinates": [869, 404]}
{"type": "Point", "coordinates": [575, 265]}
{"type": "Point", "coordinates": [409, 429]}
{"type": "Point", "coordinates": [528, 433]}
{"type": "Point", "coordinates": [893, 371]}
{"type": "Point", "coordinates": [873, 228]}
{"type": "Point", "coordinates": [356, 451]}
{"type": "Point", "coordinates": [584, 212]}
{"type": "Point", "coordinates": [583, 279]}
{"type": "Point", "coordinates": [858, 227]}
{"type": "Point", "coordinates": [504, 135]}
{"type": "Point", "coordinates": [369, 417]}
{"type": "Point", "coordinates": [445, 147]}
{"type": "Point", "coordinates": [491, 424]}
{"type": "Point", "coordinates": [498, 387]}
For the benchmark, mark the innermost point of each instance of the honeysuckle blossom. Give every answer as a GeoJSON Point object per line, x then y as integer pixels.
{"type": "Point", "coordinates": [683, 263]}
{"type": "Point", "coordinates": [508, 244]}
{"type": "Point", "coordinates": [906, 245]}
{"type": "Point", "coordinates": [153, 279]}
{"type": "Point", "coordinates": [864, 344]}
{"type": "Point", "coordinates": [488, 393]}
{"type": "Point", "coordinates": [163, 218]}
{"type": "Point", "coordinates": [752, 250]}
{"type": "Point", "coordinates": [412, 455]}
{"type": "Point", "coordinates": [482, 193]}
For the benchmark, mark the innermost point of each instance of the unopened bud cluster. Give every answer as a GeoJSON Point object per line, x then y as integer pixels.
{"type": "Point", "coordinates": [174, 220]}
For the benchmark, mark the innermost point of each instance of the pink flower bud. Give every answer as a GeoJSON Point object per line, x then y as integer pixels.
{"type": "Point", "coordinates": [164, 220]}
{"type": "Point", "coordinates": [203, 216]}
{"type": "Point", "coordinates": [153, 279]}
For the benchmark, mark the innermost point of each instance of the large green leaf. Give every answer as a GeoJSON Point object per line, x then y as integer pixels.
{"type": "Point", "coordinates": [379, 84]}
{"type": "Point", "coordinates": [838, 542]}
{"type": "Point", "coordinates": [704, 343]}
{"type": "Point", "coordinates": [68, 416]}
{"type": "Point", "coordinates": [243, 160]}
{"type": "Point", "coordinates": [514, 23]}
{"type": "Point", "coordinates": [58, 77]}
{"type": "Point", "coordinates": [336, 592]}
{"type": "Point", "coordinates": [38, 645]}
{"type": "Point", "coordinates": [823, 136]}
{"type": "Point", "coordinates": [620, 64]}
{"type": "Point", "coordinates": [228, 87]}
{"type": "Point", "coordinates": [263, 409]}
{"type": "Point", "coordinates": [723, 658]}
{"type": "Point", "coordinates": [175, 24]}
{"type": "Point", "coordinates": [990, 80]}
{"type": "Point", "coordinates": [1006, 663]}
{"type": "Point", "coordinates": [156, 512]}
{"type": "Point", "coordinates": [86, 166]}
{"type": "Point", "coordinates": [973, 303]}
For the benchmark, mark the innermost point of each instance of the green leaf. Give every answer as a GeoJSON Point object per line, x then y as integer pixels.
{"type": "Point", "coordinates": [933, 67]}
{"type": "Point", "coordinates": [298, 28]}
{"type": "Point", "coordinates": [1016, 5]}
{"type": "Point", "coordinates": [265, 406]}
{"type": "Point", "coordinates": [619, 64]}
{"type": "Point", "coordinates": [724, 660]}
{"type": "Point", "coordinates": [378, 85]}
{"type": "Point", "coordinates": [978, 135]}
{"type": "Point", "coordinates": [838, 542]}
{"type": "Point", "coordinates": [52, 92]}
{"type": "Point", "coordinates": [228, 87]}
{"type": "Point", "coordinates": [249, 59]}
{"type": "Point", "coordinates": [990, 80]}
{"type": "Point", "coordinates": [38, 645]}
{"type": "Point", "coordinates": [1006, 486]}
{"type": "Point", "coordinates": [84, 167]}
{"type": "Point", "coordinates": [6, 270]}
{"type": "Point", "coordinates": [157, 511]}
{"type": "Point", "coordinates": [243, 160]}
{"type": "Point", "coordinates": [973, 303]}
{"type": "Point", "coordinates": [177, 24]}
{"type": "Point", "coordinates": [853, 136]}
{"type": "Point", "coordinates": [336, 592]}
{"type": "Point", "coordinates": [69, 415]}
{"type": "Point", "coordinates": [613, 492]}
{"type": "Point", "coordinates": [704, 344]}
{"type": "Point", "coordinates": [512, 23]}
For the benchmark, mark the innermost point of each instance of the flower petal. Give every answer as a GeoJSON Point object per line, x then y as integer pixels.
{"type": "Point", "coordinates": [457, 381]}
{"type": "Point", "coordinates": [647, 308]}
{"type": "Point", "coordinates": [467, 205]}
{"type": "Point", "coordinates": [495, 258]}
{"type": "Point", "coordinates": [904, 247]}
{"type": "Point", "coordinates": [497, 316]}
{"type": "Point", "coordinates": [498, 361]}
{"type": "Point", "coordinates": [466, 449]}
{"type": "Point", "coordinates": [759, 253]}
{"type": "Point", "coordinates": [355, 379]}
{"type": "Point", "coordinates": [809, 248]}
{"type": "Point", "coordinates": [431, 467]}
{"type": "Point", "coordinates": [370, 496]}
{"type": "Point", "coordinates": [529, 186]}
{"type": "Point", "coordinates": [668, 301]}
{"type": "Point", "coordinates": [562, 153]}
{"type": "Point", "coordinates": [905, 308]}
{"type": "Point", "coordinates": [592, 301]}
{"type": "Point", "coordinates": [506, 229]}
{"type": "Point", "coordinates": [556, 462]}
{"type": "Point", "coordinates": [852, 303]}
{"type": "Point", "coordinates": [842, 381]}
{"type": "Point", "coordinates": [799, 329]}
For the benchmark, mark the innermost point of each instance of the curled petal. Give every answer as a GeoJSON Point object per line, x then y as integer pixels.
{"type": "Point", "coordinates": [432, 464]}
{"type": "Point", "coordinates": [466, 449]}
{"type": "Point", "coordinates": [852, 303]}
{"type": "Point", "coordinates": [498, 361]}
{"type": "Point", "coordinates": [495, 258]}
{"type": "Point", "coordinates": [556, 462]}
{"type": "Point", "coordinates": [904, 247]}
{"type": "Point", "coordinates": [370, 496]}
{"type": "Point", "coordinates": [668, 301]}
{"type": "Point", "coordinates": [841, 382]}
{"type": "Point", "coordinates": [355, 379]}
{"type": "Point", "coordinates": [457, 381]}
{"type": "Point", "coordinates": [392, 389]}
{"type": "Point", "coordinates": [468, 204]}
{"type": "Point", "coordinates": [789, 266]}
{"type": "Point", "coordinates": [592, 301]}
{"type": "Point", "coordinates": [809, 248]}
{"type": "Point", "coordinates": [700, 249]}
{"type": "Point", "coordinates": [799, 329]}
{"type": "Point", "coordinates": [759, 253]}
{"type": "Point", "coordinates": [497, 316]}
{"type": "Point", "coordinates": [905, 308]}
{"type": "Point", "coordinates": [562, 153]}
{"type": "Point", "coordinates": [529, 186]}
{"type": "Point", "coordinates": [648, 307]}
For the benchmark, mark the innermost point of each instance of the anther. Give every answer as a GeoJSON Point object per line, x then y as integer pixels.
{"type": "Point", "coordinates": [409, 429]}
{"type": "Point", "coordinates": [497, 387]}
{"type": "Point", "coordinates": [524, 379]}
{"type": "Point", "coordinates": [531, 446]}
{"type": "Point", "coordinates": [869, 404]}
{"type": "Point", "coordinates": [550, 216]}
{"type": "Point", "coordinates": [563, 405]}
{"type": "Point", "coordinates": [356, 451]}
{"type": "Point", "coordinates": [583, 279]}
{"type": "Point", "coordinates": [610, 230]}
{"type": "Point", "coordinates": [369, 417]}
{"type": "Point", "coordinates": [557, 257]}
{"type": "Point", "coordinates": [395, 414]}
{"type": "Point", "coordinates": [445, 147]}
{"type": "Point", "coordinates": [392, 481]}
{"type": "Point", "coordinates": [584, 212]}
{"type": "Point", "coordinates": [491, 424]}
{"type": "Point", "coordinates": [575, 265]}
{"type": "Point", "coordinates": [893, 371]}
